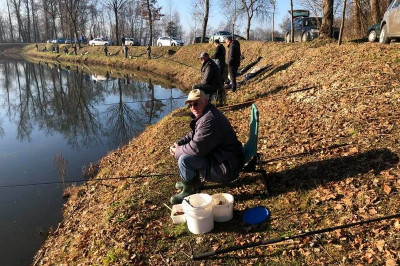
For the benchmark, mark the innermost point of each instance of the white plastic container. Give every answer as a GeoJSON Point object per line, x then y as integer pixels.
{"type": "Point", "coordinates": [200, 225]}
{"type": "Point", "coordinates": [178, 219]}
{"type": "Point", "coordinates": [222, 207]}
{"type": "Point", "coordinates": [198, 210]}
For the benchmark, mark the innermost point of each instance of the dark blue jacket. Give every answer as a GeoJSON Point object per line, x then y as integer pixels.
{"type": "Point", "coordinates": [213, 137]}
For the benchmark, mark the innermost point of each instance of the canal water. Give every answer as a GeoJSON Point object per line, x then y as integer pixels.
{"type": "Point", "coordinates": [49, 112]}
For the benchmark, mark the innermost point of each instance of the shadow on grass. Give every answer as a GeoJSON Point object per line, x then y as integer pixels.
{"type": "Point", "coordinates": [276, 70]}
{"type": "Point", "coordinates": [311, 175]}
{"type": "Point", "coordinates": [362, 40]}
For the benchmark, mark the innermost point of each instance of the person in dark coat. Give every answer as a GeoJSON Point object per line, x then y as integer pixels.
{"type": "Point", "coordinates": [105, 50]}
{"type": "Point", "coordinates": [212, 80]}
{"type": "Point", "coordinates": [125, 51]}
{"type": "Point", "coordinates": [233, 60]}
{"type": "Point", "coordinates": [211, 147]}
{"type": "Point", "coordinates": [219, 56]}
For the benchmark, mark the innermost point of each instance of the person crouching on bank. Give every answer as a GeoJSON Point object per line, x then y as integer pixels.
{"type": "Point", "coordinates": [212, 147]}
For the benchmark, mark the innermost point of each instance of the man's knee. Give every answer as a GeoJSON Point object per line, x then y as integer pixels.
{"type": "Point", "coordinates": [184, 159]}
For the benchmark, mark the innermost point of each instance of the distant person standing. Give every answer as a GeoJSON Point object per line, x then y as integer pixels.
{"type": "Point", "coordinates": [148, 49]}
{"type": "Point", "coordinates": [233, 59]}
{"type": "Point", "coordinates": [105, 50]}
{"type": "Point", "coordinates": [219, 57]}
{"type": "Point", "coordinates": [74, 47]}
{"type": "Point", "coordinates": [123, 41]}
{"type": "Point", "coordinates": [126, 51]}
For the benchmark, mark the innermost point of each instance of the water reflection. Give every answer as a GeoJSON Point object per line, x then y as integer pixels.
{"type": "Point", "coordinates": [47, 110]}
{"type": "Point", "coordinates": [62, 100]}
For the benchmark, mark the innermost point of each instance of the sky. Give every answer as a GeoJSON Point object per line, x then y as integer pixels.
{"type": "Point", "coordinates": [184, 9]}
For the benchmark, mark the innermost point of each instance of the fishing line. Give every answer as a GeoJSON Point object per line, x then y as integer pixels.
{"type": "Point", "coordinates": [143, 101]}
{"type": "Point", "coordinates": [89, 180]}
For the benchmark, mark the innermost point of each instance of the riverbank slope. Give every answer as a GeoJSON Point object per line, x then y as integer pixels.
{"type": "Point", "coordinates": [328, 137]}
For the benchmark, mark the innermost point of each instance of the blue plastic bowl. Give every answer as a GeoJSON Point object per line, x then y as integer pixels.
{"type": "Point", "coordinates": [256, 215]}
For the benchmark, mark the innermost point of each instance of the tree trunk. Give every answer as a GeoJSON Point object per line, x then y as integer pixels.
{"type": "Point", "coordinates": [116, 24]}
{"type": "Point", "coordinates": [375, 12]}
{"type": "Point", "coordinates": [273, 21]}
{"type": "Point", "coordinates": [11, 26]}
{"type": "Point", "coordinates": [28, 22]}
{"type": "Point", "coordinates": [357, 17]}
{"type": "Point", "coordinates": [327, 19]}
{"type": "Point", "coordinates": [248, 27]}
{"type": "Point", "coordinates": [150, 23]}
{"type": "Point", "coordinates": [291, 22]}
{"type": "Point", "coordinates": [205, 20]}
{"type": "Point", "coordinates": [17, 6]}
{"type": "Point", "coordinates": [342, 24]}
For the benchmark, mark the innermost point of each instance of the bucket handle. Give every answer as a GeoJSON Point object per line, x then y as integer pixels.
{"type": "Point", "coordinates": [188, 202]}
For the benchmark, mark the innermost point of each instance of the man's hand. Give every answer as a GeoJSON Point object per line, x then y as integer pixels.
{"type": "Point", "coordinates": [173, 148]}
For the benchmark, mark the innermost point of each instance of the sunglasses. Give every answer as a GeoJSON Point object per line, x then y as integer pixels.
{"type": "Point", "coordinates": [195, 104]}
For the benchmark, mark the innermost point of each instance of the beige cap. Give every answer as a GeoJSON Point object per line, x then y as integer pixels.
{"type": "Point", "coordinates": [196, 94]}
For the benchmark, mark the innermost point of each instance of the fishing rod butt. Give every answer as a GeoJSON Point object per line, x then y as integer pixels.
{"type": "Point", "coordinates": [203, 255]}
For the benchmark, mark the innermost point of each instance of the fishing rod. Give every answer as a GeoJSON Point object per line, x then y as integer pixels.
{"type": "Point", "coordinates": [282, 239]}
{"type": "Point", "coordinates": [143, 101]}
{"type": "Point", "coordinates": [89, 180]}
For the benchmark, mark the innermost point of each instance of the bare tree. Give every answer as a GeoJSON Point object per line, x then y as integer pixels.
{"type": "Point", "coordinates": [205, 19]}
{"type": "Point", "coordinates": [375, 11]}
{"type": "Point", "coordinates": [17, 9]}
{"type": "Point", "coordinates": [327, 19]}
{"type": "Point", "coordinates": [116, 6]}
{"type": "Point", "coordinates": [342, 23]}
{"type": "Point", "coordinates": [251, 7]}
{"type": "Point", "coordinates": [357, 17]}
{"type": "Point", "coordinates": [73, 8]}
{"type": "Point", "coordinates": [291, 22]}
{"type": "Point", "coordinates": [9, 18]}
{"type": "Point", "coordinates": [152, 12]}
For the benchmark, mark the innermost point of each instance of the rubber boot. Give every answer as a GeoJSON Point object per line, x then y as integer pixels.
{"type": "Point", "coordinates": [189, 188]}
{"type": "Point", "coordinates": [179, 185]}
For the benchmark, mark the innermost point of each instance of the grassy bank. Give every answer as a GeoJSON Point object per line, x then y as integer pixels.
{"type": "Point", "coordinates": [329, 126]}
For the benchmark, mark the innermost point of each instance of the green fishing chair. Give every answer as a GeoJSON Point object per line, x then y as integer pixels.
{"type": "Point", "coordinates": [250, 156]}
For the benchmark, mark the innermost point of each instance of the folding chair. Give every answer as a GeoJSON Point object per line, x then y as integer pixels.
{"type": "Point", "coordinates": [250, 156]}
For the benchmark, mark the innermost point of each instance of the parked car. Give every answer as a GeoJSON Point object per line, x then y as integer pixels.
{"type": "Point", "coordinates": [221, 35]}
{"type": "Point", "coordinates": [373, 32]}
{"type": "Point", "coordinates": [99, 41]}
{"type": "Point", "coordinates": [68, 41]}
{"type": "Point", "coordinates": [131, 42]}
{"type": "Point", "coordinates": [59, 40]}
{"type": "Point", "coordinates": [390, 26]}
{"type": "Point", "coordinates": [169, 41]}
{"type": "Point", "coordinates": [306, 28]}
{"type": "Point", "coordinates": [198, 39]}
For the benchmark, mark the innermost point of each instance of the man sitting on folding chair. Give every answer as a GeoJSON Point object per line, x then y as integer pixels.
{"type": "Point", "coordinates": [212, 147]}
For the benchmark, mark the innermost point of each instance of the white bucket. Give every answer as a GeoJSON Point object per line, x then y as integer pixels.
{"type": "Point", "coordinates": [200, 225]}
{"type": "Point", "coordinates": [198, 212]}
{"type": "Point", "coordinates": [222, 207]}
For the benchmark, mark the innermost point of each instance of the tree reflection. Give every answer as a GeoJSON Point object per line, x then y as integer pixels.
{"type": "Point", "coordinates": [123, 121]}
{"type": "Point", "coordinates": [71, 109]}
{"type": "Point", "coordinates": [72, 103]}
{"type": "Point", "coordinates": [153, 107]}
